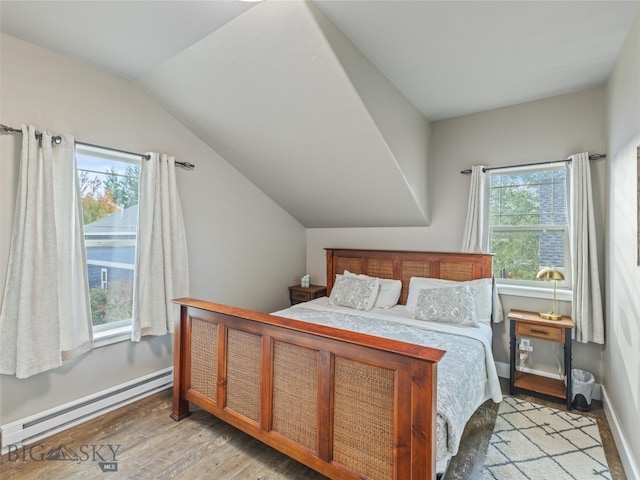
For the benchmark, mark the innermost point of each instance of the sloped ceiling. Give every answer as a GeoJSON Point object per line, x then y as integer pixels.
{"type": "Point", "coordinates": [453, 58]}
{"type": "Point", "coordinates": [325, 105]}
{"type": "Point", "coordinates": [268, 92]}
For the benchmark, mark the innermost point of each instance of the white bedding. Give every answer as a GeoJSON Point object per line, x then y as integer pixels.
{"type": "Point", "coordinates": [466, 374]}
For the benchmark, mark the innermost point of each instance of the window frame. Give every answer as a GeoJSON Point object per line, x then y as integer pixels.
{"type": "Point", "coordinates": [533, 288]}
{"type": "Point", "coordinates": [117, 331]}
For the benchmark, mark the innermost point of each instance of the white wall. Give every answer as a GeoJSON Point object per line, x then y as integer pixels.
{"type": "Point", "coordinates": [550, 129]}
{"type": "Point", "coordinates": [405, 130]}
{"type": "Point", "coordinates": [243, 248]}
{"type": "Point", "coordinates": [622, 356]}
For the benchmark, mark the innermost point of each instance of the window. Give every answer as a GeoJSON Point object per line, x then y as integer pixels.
{"type": "Point", "coordinates": [109, 189]}
{"type": "Point", "coordinates": [528, 223]}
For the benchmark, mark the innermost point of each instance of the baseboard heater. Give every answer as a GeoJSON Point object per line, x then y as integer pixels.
{"type": "Point", "coordinates": [36, 427]}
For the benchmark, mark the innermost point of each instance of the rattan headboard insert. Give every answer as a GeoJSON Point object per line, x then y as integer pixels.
{"type": "Point", "coordinates": [402, 265]}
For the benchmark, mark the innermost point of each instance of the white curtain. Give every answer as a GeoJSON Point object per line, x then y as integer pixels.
{"type": "Point", "coordinates": [161, 255]}
{"type": "Point", "coordinates": [475, 238]}
{"type": "Point", "coordinates": [586, 308]}
{"type": "Point", "coordinates": [45, 315]}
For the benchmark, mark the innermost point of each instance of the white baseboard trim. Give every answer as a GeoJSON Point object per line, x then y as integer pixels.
{"type": "Point", "coordinates": [628, 463]}
{"type": "Point", "coordinates": [41, 425]}
{"type": "Point", "coordinates": [503, 371]}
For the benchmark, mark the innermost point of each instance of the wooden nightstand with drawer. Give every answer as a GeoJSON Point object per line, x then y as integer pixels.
{"type": "Point", "coordinates": [298, 294]}
{"type": "Point", "coordinates": [531, 325]}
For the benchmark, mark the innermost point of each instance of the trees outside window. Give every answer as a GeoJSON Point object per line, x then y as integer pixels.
{"type": "Point", "coordinates": [528, 222]}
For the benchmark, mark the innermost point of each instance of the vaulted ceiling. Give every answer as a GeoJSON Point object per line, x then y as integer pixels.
{"type": "Point", "coordinates": [326, 105]}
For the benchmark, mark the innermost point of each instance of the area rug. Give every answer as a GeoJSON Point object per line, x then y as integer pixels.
{"type": "Point", "coordinates": [533, 442]}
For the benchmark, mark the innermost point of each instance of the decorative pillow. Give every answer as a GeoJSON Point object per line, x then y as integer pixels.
{"type": "Point", "coordinates": [354, 292]}
{"type": "Point", "coordinates": [389, 293]}
{"type": "Point", "coordinates": [483, 298]}
{"type": "Point", "coordinates": [447, 305]}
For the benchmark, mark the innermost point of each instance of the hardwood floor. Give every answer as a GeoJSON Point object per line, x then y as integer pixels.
{"type": "Point", "coordinates": [142, 442]}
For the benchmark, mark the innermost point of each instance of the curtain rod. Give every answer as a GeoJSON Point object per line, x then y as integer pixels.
{"type": "Point", "coordinates": [58, 139]}
{"type": "Point", "coordinates": [595, 156]}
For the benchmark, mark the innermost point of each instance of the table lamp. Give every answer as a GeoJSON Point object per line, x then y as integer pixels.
{"type": "Point", "coordinates": [550, 273]}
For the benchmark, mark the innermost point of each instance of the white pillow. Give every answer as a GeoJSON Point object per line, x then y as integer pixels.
{"type": "Point", "coordinates": [389, 293]}
{"type": "Point", "coordinates": [483, 297]}
{"type": "Point", "coordinates": [354, 292]}
{"type": "Point", "coordinates": [454, 305]}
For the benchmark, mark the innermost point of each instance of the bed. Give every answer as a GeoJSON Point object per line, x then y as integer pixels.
{"type": "Point", "coordinates": [352, 385]}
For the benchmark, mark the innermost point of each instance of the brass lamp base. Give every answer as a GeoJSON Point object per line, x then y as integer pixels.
{"type": "Point", "coordinates": [550, 316]}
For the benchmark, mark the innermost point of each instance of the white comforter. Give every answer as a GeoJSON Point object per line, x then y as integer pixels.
{"type": "Point", "coordinates": [466, 374]}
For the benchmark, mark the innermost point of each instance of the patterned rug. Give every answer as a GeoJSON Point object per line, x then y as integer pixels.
{"type": "Point", "coordinates": [533, 442]}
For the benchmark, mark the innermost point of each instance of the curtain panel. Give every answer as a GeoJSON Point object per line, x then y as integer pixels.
{"type": "Point", "coordinates": [586, 305]}
{"type": "Point", "coordinates": [45, 314]}
{"type": "Point", "coordinates": [161, 257]}
{"type": "Point", "coordinates": [475, 238]}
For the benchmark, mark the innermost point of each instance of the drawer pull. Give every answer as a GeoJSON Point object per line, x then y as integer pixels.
{"type": "Point", "coordinates": [541, 332]}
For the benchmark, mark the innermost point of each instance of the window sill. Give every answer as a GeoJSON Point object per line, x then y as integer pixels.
{"type": "Point", "coordinates": [534, 292]}
{"type": "Point", "coordinates": [113, 335]}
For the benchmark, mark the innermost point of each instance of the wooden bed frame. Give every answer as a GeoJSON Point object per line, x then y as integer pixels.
{"type": "Point", "coordinates": [348, 405]}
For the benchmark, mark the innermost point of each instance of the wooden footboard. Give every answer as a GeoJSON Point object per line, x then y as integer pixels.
{"type": "Point", "coordinates": [349, 405]}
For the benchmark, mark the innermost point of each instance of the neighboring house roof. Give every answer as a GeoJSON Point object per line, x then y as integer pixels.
{"type": "Point", "coordinates": [122, 222]}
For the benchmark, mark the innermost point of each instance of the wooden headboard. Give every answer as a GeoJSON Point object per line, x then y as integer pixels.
{"type": "Point", "coordinates": [401, 265]}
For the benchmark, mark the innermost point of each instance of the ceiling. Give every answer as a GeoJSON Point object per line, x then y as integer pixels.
{"type": "Point", "coordinates": [298, 95]}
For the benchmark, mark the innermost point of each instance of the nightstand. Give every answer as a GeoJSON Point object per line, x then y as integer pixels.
{"type": "Point", "coordinates": [298, 294]}
{"type": "Point", "coordinates": [531, 325]}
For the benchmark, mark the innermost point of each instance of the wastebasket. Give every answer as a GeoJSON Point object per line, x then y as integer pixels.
{"type": "Point", "coordinates": [583, 383]}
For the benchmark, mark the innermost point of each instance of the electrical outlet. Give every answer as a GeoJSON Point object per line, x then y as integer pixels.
{"type": "Point", "coordinates": [526, 346]}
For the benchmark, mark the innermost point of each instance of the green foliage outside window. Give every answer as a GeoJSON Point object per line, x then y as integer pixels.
{"type": "Point", "coordinates": [516, 255]}
{"type": "Point", "coordinates": [111, 304]}
{"type": "Point", "coordinates": [124, 187]}
{"type": "Point", "coordinates": [528, 218]}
